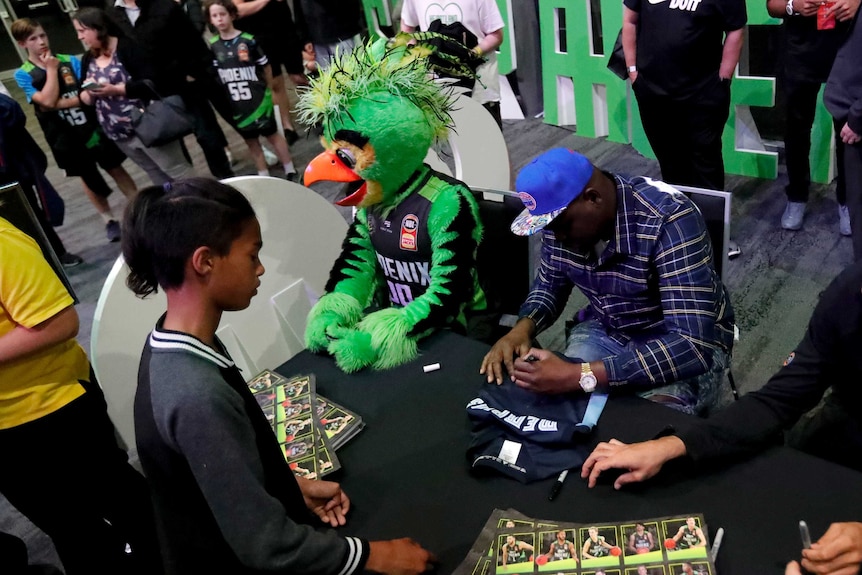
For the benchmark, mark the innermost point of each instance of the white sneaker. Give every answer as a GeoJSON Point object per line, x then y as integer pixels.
{"type": "Point", "coordinates": [844, 221]}
{"type": "Point", "coordinates": [270, 157]}
{"type": "Point", "coordinates": [793, 215]}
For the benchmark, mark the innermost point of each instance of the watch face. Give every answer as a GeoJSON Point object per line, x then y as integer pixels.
{"type": "Point", "coordinates": [588, 382]}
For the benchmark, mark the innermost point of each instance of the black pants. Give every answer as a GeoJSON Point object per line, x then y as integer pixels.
{"type": "Point", "coordinates": [207, 131]}
{"type": "Point", "coordinates": [48, 229]}
{"type": "Point", "coordinates": [801, 105]}
{"type": "Point", "coordinates": [686, 134]}
{"type": "Point", "coordinates": [67, 474]}
{"type": "Point", "coordinates": [851, 173]}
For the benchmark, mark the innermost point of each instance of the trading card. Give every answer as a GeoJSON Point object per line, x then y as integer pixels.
{"type": "Point", "coordinates": [558, 550]}
{"type": "Point", "coordinates": [264, 381]}
{"type": "Point", "coordinates": [514, 552]}
{"type": "Point", "coordinates": [690, 568]}
{"type": "Point", "coordinates": [598, 546]}
{"type": "Point", "coordinates": [293, 408]}
{"type": "Point", "coordinates": [269, 413]}
{"type": "Point", "coordinates": [646, 570]}
{"type": "Point", "coordinates": [506, 522]}
{"type": "Point", "coordinates": [265, 399]}
{"type": "Point", "coordinates": [295, 387]}
{"type": "Point", "coordinates": [335, 422]}
{"type": "Point", "coordinates": [306, 468]}
{"type": "Point", "coordinates": [641, 542]}
{"type": "Point", "coordinates": [299, 448]}
{"type": "Point", "coordinates": [685, 538]}
{"type": "Point", "coordinates": [292, 429]}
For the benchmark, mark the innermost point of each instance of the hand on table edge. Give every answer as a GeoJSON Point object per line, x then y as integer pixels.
{"type": "Point", "coordinates": [399, 557]}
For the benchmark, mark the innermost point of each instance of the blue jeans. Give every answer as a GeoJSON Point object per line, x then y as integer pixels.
{"type": "Point", "coordinates": [589, 341]}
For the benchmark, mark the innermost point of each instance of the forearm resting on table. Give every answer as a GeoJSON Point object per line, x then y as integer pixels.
{"type": "Point", "coordinates": [23, 341]}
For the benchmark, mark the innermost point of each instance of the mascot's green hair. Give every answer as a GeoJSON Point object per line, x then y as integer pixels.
{"type": "Point", "coordinates": [374, 68]}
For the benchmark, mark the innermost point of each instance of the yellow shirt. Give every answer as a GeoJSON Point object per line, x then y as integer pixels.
{"type": "Point", "coordinates": [30, 293]}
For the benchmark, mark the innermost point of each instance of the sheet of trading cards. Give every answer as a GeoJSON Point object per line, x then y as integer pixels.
{"type": "Point", "coordinates": [287, 405]}
{"type": "Point", "coordinates": [675, 545]}
{"type": "Point", "coordinates": [339, 423]}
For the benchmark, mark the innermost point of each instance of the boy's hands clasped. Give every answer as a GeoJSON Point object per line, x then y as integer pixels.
{"type": "Point", "coordinates": [395, 557]}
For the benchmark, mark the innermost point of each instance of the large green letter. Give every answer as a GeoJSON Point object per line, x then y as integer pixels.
{"type": "Point", "coordinates": [578, 87]}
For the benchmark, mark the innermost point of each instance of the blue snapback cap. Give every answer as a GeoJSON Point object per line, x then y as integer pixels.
{"type": "Point", "coordinates": [547, 185]}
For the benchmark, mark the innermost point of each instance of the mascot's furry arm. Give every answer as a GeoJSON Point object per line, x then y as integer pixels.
{"type": "Point", "coordinates": [388, 337]}
{"type": "Point", "coordinates": [352, 283]}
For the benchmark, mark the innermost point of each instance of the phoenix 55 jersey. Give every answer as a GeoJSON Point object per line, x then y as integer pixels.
{"type": "Point", "coordinates": [240, 65]}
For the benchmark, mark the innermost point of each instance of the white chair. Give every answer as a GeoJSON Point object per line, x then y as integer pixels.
{"type": "Point", "coordinates": [302, 235]}
{"type": "Point", "coordinates": [479, 151]}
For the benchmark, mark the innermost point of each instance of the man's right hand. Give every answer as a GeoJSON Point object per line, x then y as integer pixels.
{"type": "Point", "coordinates": [807, 7]}
{"type": "Point", "coordinates": [50, 61]}
{"type": "Point", "coordinates": [515, 343]}
{"type": "Point", "coordinates": [640, 460]}
{"type": "Point", "coordinates": [399, 557]}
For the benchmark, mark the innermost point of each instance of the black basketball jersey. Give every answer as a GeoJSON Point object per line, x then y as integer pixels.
{"type": "Point", "coordinates": [240, 64]}
{"type": "Point", "coordinates": [641, 541]}
{"type": "Point", "coordinates": [403, 246]}
{"type": "Point", "coordinates": [69, 128]}
{"type": "Point", "coordinates": [560, 550]}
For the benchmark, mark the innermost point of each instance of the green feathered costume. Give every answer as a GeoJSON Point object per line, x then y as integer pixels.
{"type": "Point", "coordinates": [411, 248]}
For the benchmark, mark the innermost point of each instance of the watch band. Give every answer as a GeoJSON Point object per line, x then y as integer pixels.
{"type": "Point", "coordinates": [632, 69]}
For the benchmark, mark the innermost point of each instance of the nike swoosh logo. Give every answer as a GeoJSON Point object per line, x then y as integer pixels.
{"type": "Point", "coordinates": [656, 1]}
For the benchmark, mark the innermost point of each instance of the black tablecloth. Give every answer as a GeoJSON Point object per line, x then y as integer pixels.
{"type": "Point", "coordinates": [407, 473]}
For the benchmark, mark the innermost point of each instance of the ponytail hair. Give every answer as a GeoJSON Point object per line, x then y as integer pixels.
{"type": "Point", "coordinates": [164, 225]}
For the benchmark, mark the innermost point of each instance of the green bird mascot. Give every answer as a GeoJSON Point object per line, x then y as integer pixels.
{"type": "Point", "coordinates": [411, 249]}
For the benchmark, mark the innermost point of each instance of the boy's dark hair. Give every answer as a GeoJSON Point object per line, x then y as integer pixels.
{"type": "Point", "coordinates": [23, 27]}
{"type": "Point", "coordinates": [98, 20]}
{"type": "Point", "coordinates": [226, 4]}
{"type": "Point", "coordinates": [164, 225]}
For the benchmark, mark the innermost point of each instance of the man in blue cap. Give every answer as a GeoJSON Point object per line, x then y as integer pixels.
{"type": "Point", "coordinates": [659, 320]}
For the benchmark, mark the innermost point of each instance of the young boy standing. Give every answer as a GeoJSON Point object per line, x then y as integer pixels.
{"type": "Point", "coordinates": [51, 84]}
{"type": "Point", "coordinates": [244, 71]}
{"type": "Point", "coordinates": [226, 500]}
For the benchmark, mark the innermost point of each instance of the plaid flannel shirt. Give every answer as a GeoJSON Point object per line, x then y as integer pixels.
{"type": "Point", "coordinates": [654, 281]}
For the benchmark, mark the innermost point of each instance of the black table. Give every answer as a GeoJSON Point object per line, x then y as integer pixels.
{"type": "Point", "coordinates": [407, 473]}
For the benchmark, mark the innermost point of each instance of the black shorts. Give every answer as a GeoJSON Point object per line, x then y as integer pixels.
{"type": "Point", "coordinates": [276, 53]}
{"type": "Point", "coordinates": [80, 160]}
{"type": "Point", "coordinates": [265, 126]}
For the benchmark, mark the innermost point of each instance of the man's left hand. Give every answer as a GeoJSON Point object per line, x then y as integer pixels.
{"type": "Point", "coordinates": [844, 9]}
{"type": "Point", "coordinates": [326, 500]}
{"type": "Point", "coordinates": [838, 552]}
{"type": "Point", "coordinates": [546, 372]}
{"type": "Point", "coordinates": [848, 136]}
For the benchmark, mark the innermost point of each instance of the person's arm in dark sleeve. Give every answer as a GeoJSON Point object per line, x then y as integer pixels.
{"type": "Point", "coordinates": [224, 460]}
{"type": "Point", "coordinates": [752, 422]}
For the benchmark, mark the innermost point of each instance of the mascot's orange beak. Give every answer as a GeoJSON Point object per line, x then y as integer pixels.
{"type": "Point", "coordinates": [329, 167]}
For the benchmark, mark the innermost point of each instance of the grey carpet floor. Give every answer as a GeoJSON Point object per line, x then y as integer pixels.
{"type": "Point", "coordinates": [774, 284]}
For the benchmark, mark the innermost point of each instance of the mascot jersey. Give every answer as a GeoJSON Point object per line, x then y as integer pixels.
{"type": "Point", "coordinates": [403, 244]}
